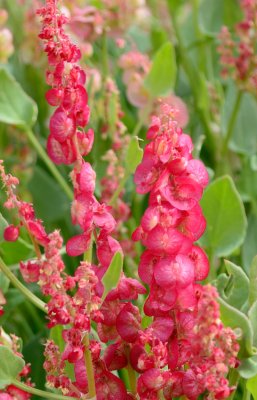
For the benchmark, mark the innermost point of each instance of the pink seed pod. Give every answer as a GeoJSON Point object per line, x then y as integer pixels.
{"type": "Point", "coordinates": [11, 233]}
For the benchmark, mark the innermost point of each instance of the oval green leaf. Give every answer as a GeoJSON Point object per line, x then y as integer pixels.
{"type": "Point", "coordinates": [234, 288]}
{"type": "Point", "coordinates": [162, 76]}
{"type": "Point", "coordinates": [248, 367]}
{"type": "Point", "coordinates": [225, 215]}
{"type": "Point", "coordinates": [16, 107]}
{"type": "Point", "coordinates": [112, 275]}
{"type": "Point", "coordinates": [253, 282]}
{"type": "Point", "coordinates": [134, 155]}
{"type": "Point", "coordinates": [10, 366]}
{"type": "Point", "coordinates": [251, 385]}
{"type": "Point", "coordinates": [234, 318]}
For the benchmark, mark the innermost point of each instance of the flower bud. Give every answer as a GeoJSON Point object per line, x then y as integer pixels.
{"type": "Point", "coordinates": [11, 233]}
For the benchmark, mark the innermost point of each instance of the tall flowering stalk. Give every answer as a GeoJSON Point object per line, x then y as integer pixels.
{"type": "Point", "coordinates": [238, 56]}
{"type": "Point", "coordinates": [172, 265]}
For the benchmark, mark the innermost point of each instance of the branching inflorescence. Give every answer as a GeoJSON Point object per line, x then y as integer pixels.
{"type": "Point", "coordinates": [238, 56]}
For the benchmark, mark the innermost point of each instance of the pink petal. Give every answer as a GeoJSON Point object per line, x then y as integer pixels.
{"type": "Point", "coordinates": [201, 263]}
{"type": "Point", "coordinates": [78, 244]}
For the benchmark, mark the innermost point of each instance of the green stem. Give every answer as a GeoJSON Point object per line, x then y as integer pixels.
{"type": "Point", "coordinates": [105, 63]}
{"type": "Point", "coordinates": [194, 80]}
{"type": "Point", "coordinates": [89, 252]}
{"type": "Point", "coordinates": [132, 379]}
{"type": "Point", "coordinates": [27, 293]}
{"type": "Point", "coordinates": [199, 35]}
{"type": "Point", "coordinates": [41, 393]}
{"type": "Point", "coordinates": [233, 381]}
{"type": "Point", "coordinates": [87, 353]}
{"type": "Point", "coordinates": [118, 190]}
{"type": "Point", "coordinates": [89, 368]}
{"type": "Point", "coordinates": [246, 393]}
{"type": "Point", "coordinates": [52, 168]}
{"type": "Point", "coordinates": [231, 123]}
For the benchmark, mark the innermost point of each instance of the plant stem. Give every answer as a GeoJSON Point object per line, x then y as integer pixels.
{"type": "Point", "coordinates": [88, 253]}
{"type": "Point", "coordinates": [232, 121]}
{"type": "Point", "coordinates": [194, 79]}
{"type": "Point", "coordinates": [118, 190]}
{"type": "Point", "coordinates": [27, 293]}
{"type": "Point", "coordinates": [41, 393]}
{"type": "Point", "coordinates": [131, 375]}
{"type": "Point", "coordinates": [86, 341]}
{"type": "Point", "coordinates": [52, 168]}
{"type": "Point", "coordinates": [89, 368]}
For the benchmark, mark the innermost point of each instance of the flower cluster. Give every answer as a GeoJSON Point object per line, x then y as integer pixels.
{"type": "Point", "coordinates": [6, 40]}
{"type": "Point", "coordinates": [238, 56]}
{"type": "Point", "coordinates": [180, 347]}
{"type": "Point", "coordinates": [172, 265]}
{"type": "Point", "coordinates": [68, 142]}
{"type": "Point", "coordinates": [135, 67]}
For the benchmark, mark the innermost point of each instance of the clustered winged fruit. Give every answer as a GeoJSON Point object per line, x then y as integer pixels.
{"type": "Point", "coordinates": [178, 345]}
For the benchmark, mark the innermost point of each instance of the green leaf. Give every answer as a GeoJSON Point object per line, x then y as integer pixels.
{"type": "Point", "coordinates": [236, 319]}
{"type": "Point", "coordinates": [248, 367]}
{"type": "Point", "coordinates": [225, 215]}
{"type": "Point", "coordinates": [246, 121]}
{"type": "Point", "coordinates": [14, 252]}
{"type": "Point", "coordinates": [249, 249]}
{"type": "Point", "coordinates": [253, 282]}
{"type": "Point", "coordinates": [134, 155]}
{"type": "Point", "coordinates": [10, 366]}
{"type": "Point", "coordinates": [112, 275]}
{"type": "Point", "coordinates": [45, 192]}
{"type": "Point", "coordinates": [251, 385]}
{"type": "Point", "coordinates": [3, 225]}
{"type": "Point", "coordinates": [4, 282]}
{"type": "Point", "coordinates": [214, 14]}
{"type": "Point", "coordinates": [252, 313]}
{"type": "Point", "coordinates": [56, 336]}
{"type": "Point", "coordinates": [162, 75]}
{"type": "Point", "coordinates": [16, 107]}
{"type": "Point", "coordinates": [234, 288]}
